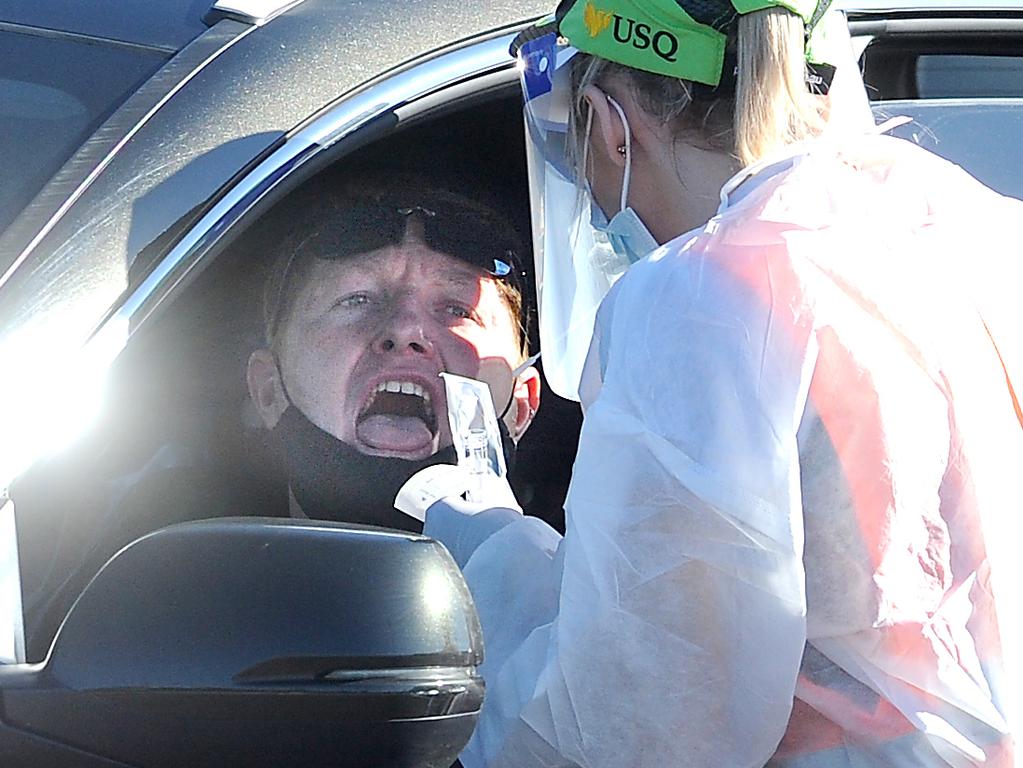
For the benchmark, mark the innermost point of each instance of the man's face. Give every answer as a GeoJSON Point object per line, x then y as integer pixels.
{"type": "Point", "coordinates": [367, 337]}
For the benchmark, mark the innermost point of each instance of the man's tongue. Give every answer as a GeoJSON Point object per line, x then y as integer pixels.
{"type": "Point", "coordinates": [392, 432]}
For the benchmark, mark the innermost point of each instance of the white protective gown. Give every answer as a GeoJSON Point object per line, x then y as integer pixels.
{"type": "Point", "coordinates": [796, 493]}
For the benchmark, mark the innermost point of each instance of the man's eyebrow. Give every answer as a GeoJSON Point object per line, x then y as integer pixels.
{"type": "Point", "coordinates": [467, 278]}
{"type": "Point", "coordinates": [450, 275]}
{"type": "Point", "coordinates": [459, 276]}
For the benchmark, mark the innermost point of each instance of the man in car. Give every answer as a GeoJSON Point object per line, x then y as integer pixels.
{"type": "Point", "coordinates": [376, 288]}
{"type": "Point", "coordinates": [381, 286]}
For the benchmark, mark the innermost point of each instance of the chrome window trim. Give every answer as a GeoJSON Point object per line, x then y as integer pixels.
{"type": "Point", "coordinates": [347, 117]}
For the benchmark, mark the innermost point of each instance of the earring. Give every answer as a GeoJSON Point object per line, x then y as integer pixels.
{"type": "Point", "coordinates": [621, 149]}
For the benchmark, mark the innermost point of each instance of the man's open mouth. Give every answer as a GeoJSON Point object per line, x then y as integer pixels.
{"type": "Point", "coordinates": [398, 416]}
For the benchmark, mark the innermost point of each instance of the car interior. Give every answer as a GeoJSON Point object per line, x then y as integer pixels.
{"type": "Point", "coordinates": [178, 439]}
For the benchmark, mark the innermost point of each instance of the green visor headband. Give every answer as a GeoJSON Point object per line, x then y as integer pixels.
{"type": "Point", "coordinates": [678, 38]}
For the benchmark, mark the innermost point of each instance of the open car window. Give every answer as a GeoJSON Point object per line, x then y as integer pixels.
{"type": "Point", "coordinates": [178, 438]}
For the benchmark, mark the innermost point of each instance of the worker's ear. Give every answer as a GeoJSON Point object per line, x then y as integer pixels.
{"type": "Point", "coordinates": [608, 131]}
{"type": "Point", "coordinates": [265, 387]}
{"type": "Point", "coordinates": [525, 403]}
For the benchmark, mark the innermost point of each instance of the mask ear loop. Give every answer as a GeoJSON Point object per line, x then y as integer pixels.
{"type": "Point", "coordinates": [586, 141]}
{"type": "Point", "coordinates": [280, 378]}
{"type": "Point", "coordinates": [628, 154]}
{"type": "Point", "coordinates": [583, 190]}
{"type": "Point", "coordinates": [515, 374]}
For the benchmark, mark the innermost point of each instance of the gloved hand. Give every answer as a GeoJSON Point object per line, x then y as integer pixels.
{"type": "Point", "coordinates": [450, 481]}
{"type": "Point", "coordinates": [445, 521]}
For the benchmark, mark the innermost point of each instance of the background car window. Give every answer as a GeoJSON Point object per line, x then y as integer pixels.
{"type": "Point", "coordinates": [54, 93]}
{"type": "Point", "coordinates": [951, 77]}
{"type": "Point", "coordinates": [168, 23]}
{"type": "Point", "coordinates": [950, 128]}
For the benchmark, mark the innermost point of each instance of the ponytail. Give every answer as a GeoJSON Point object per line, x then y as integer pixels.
{"type": "Point", "coordinates": [772, 105]}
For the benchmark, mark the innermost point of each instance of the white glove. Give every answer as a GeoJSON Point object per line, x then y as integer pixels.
{"type": "Point", "coordinates": [450, 481]}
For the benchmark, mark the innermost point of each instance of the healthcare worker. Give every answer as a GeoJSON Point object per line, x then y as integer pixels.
{"type": "Point", "coordinates": [792, 522]}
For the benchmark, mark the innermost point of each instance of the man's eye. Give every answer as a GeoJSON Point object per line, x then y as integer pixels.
{"type": "Point", "coordinates": [461, 311]}
{"type": "Point", "coordinates": [353, 300]}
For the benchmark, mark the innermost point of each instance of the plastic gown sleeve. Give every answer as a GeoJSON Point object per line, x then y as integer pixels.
{"type": "Point", "coordinates": [680, 619]}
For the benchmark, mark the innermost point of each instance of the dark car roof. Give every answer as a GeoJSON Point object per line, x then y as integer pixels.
{"type": "Point", "coordinates": [170, 24]}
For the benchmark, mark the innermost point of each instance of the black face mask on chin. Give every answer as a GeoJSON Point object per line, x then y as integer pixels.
{"type": "Point", "coordinates": [331, 480]}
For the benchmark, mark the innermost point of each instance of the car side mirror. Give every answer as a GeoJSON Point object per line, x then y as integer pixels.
{"type": "Point", "coordinates": [256, 642]}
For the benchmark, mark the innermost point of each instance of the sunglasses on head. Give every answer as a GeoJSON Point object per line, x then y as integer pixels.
{"type": "Point", "coordinates": [446, 224]}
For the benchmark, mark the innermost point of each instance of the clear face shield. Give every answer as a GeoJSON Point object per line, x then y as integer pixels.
{"type": "Point", "coordinates": [575, 264]}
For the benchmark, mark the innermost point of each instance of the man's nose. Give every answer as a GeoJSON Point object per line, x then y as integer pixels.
{"type": "Point", "coordinates": [406, 331]}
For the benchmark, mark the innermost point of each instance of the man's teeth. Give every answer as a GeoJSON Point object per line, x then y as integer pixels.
{"type": "Point", "coordinates": [404, 387]}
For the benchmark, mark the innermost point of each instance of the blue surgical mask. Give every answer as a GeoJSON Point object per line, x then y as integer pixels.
{"type": "Point", "coordinates": [626, 232]}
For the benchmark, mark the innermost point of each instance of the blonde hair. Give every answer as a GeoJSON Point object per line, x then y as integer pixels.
{"type": "Point", "coordinates": [772, 105]}
{"type": "Point", "coordinates": [769, 109]}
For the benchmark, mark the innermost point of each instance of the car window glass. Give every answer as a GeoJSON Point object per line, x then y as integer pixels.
{"type": "Point", "coordinates": [168, 23]}
{"type": "Point", "coordinates": [947, 77]}
{"type": "Point", "coordinates": [950, 129]}
{"type": "Point", "coordinates": [54, 92]}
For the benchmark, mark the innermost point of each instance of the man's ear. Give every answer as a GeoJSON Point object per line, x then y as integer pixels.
{"type": "Point", "coordinates": [265, 386]}
{"type": "Point", "coordinates": [526, 396]}
{"type": "Point", "coordinates": [608, 131]}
